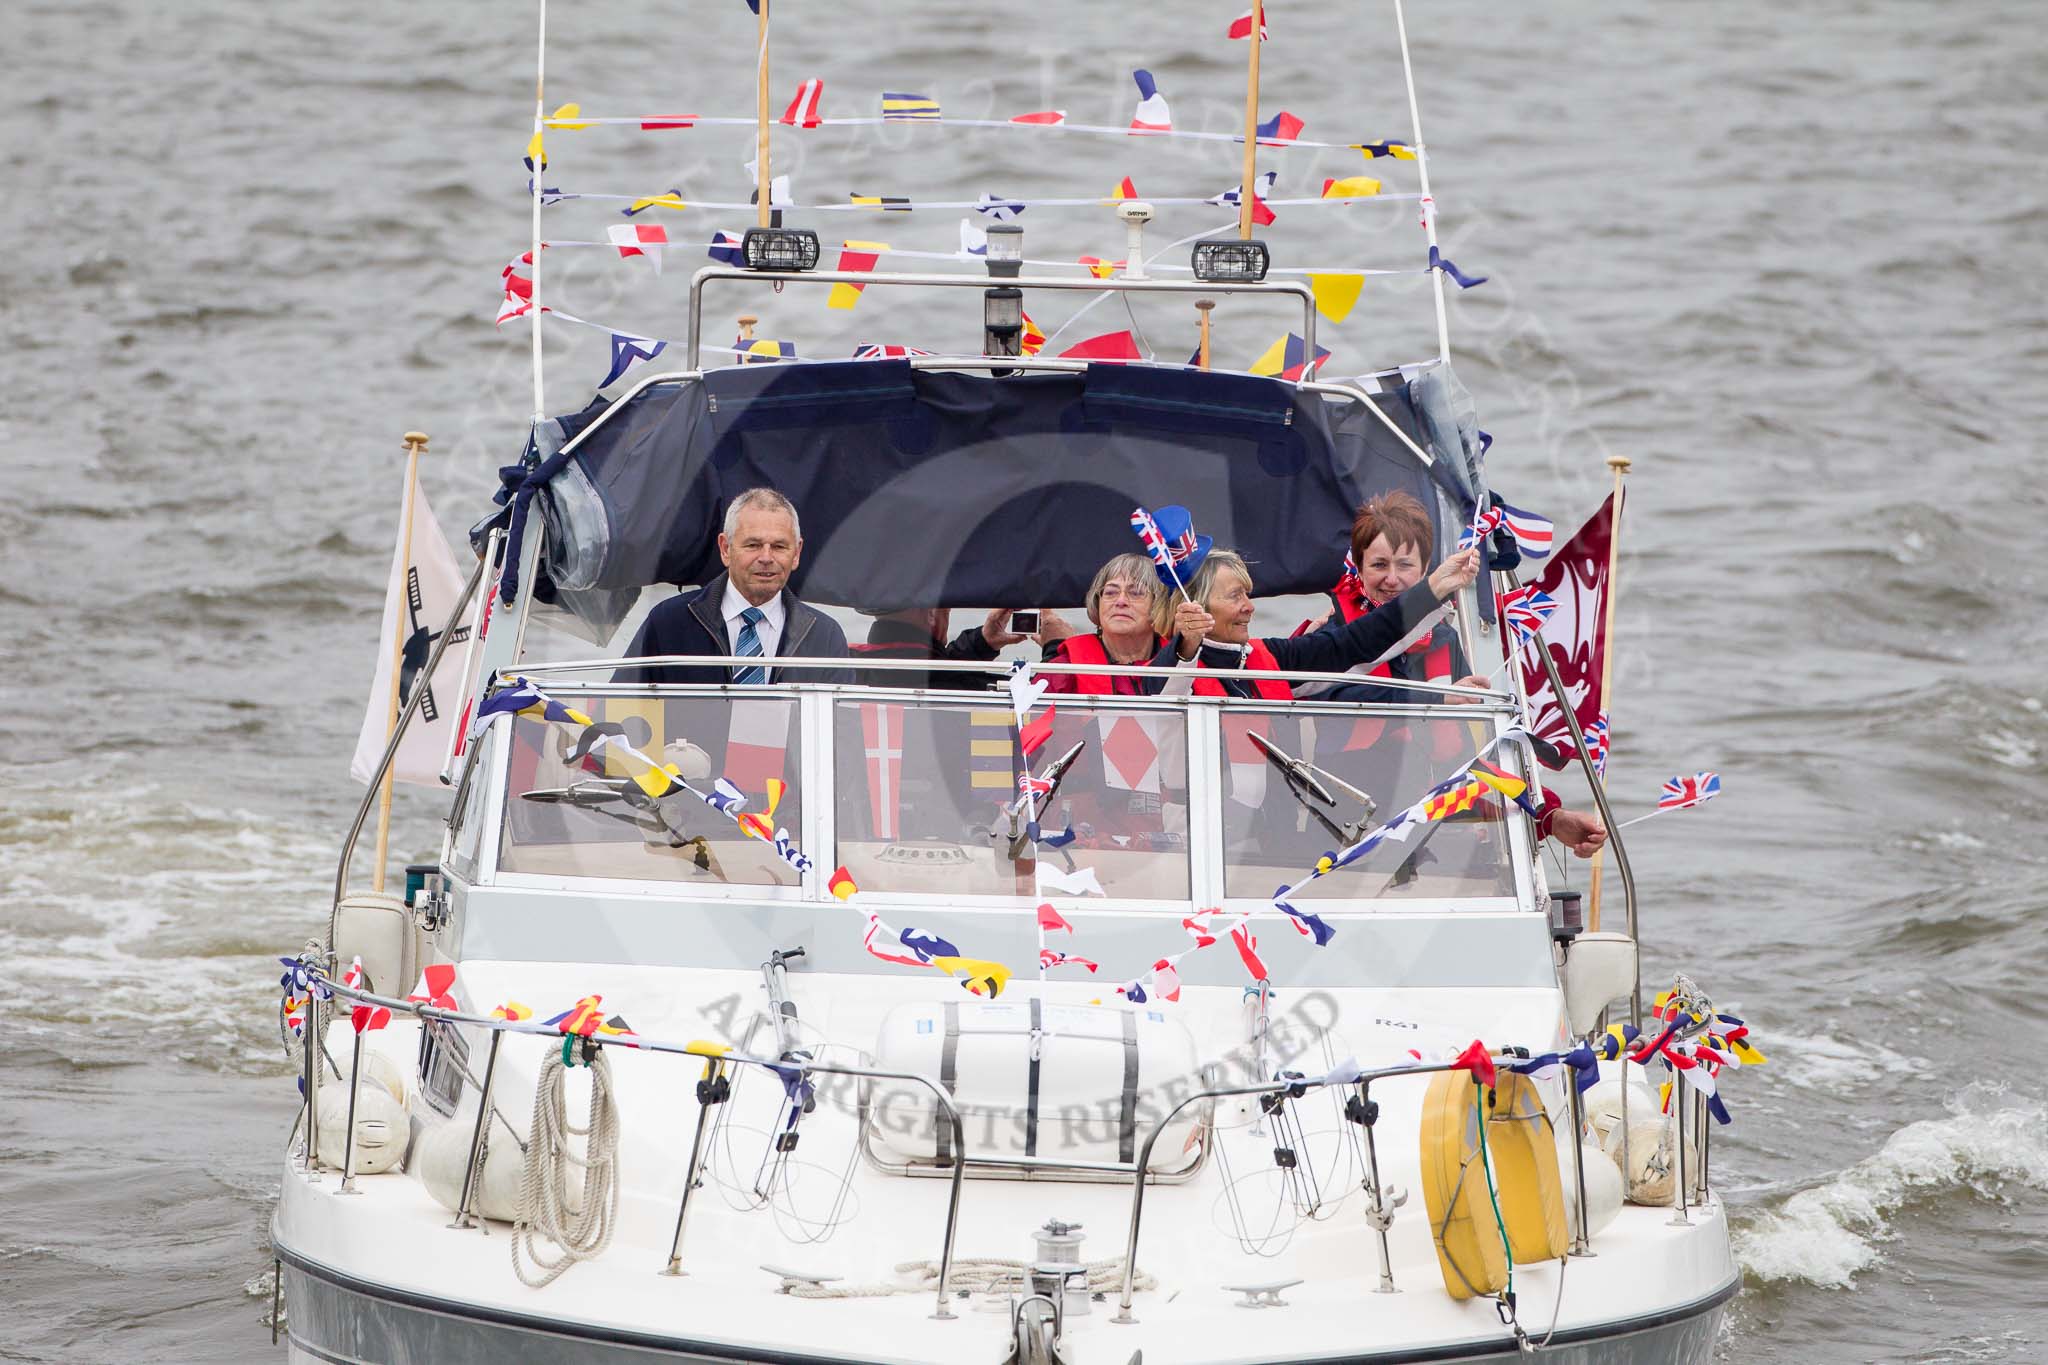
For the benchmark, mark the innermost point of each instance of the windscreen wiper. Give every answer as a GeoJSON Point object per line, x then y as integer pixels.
{"type": "Point", "coordinates": [658, 818]}
{"type": "Point", "coordinates": [1305, 780]}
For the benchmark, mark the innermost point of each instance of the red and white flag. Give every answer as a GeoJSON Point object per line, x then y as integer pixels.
{"type": "Point", "coordinates": [803, 110]}
{"type": "Point", "coordinates": [881, 732]}
{"type": "Point", "coordinates": [1247, 945]}
{"type": "Point", "coordinates": [757, 735]}
{"type": "Point", "coordinates": [1247, 764]}
{"type": "Point", "coordinates": [1575, 578]}
{"type": "Point", "coordinates": [1049, 918]}
{"type": "Point", "coordinates": [1241, 26]}
{"type": "Point", "coordinates": [633, 239]}
{"type": "Point", "coordinates": [1129, 746]}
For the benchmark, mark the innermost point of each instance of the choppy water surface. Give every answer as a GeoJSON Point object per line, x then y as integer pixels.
{"type": "Point", "coordinates": [1787, 258]}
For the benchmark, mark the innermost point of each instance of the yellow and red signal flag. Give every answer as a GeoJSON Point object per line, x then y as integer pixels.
{"type": "Point", "coordinates": [860, 256]}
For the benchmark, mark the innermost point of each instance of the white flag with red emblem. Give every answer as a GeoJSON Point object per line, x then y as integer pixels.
{"type": "Point", "coordinates": [1575, 579]}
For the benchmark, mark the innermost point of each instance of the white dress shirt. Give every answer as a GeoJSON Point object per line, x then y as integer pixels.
{"type": "Point", "coordinates": [768, 632]}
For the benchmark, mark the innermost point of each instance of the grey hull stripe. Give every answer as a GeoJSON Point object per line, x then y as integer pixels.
{"type": "Point", "coordinates": [1127, 1138]}
{"type": "Point", "coordinates": [949, 1073]}
{"type": "Point", "coordinates": [1031, 1091]}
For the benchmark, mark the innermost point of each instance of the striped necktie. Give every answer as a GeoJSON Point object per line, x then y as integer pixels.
{"type": "Point", "coordinates": [749, 647]}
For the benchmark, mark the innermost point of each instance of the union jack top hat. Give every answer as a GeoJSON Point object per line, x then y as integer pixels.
{"type": "Point", "coordinates": [1189, 549]}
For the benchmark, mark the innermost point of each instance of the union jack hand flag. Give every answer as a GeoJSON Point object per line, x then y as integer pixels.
{"type": "Point", "coordinates": [1052, 957]}
{"type": "Point", "coordinates": [1596, 744]}
{"type": "Point", "coordinates": [1150, 536]}
{"type": "Point", "coordinates": [1683, 791]}
{"type": "Point", "coordinates": [1033, 786]}
{"type": "Point", "coordinates": [1526, 609]}
{"type": "Point", "coordinates": [1483, 525]}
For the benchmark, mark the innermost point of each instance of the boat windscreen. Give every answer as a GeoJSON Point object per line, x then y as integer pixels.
{"type": "Point", "coordinates": [583, 816]}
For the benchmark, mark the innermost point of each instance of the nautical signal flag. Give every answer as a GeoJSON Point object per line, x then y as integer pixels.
{"type": "Point", "coordinates": [1450, 798]}
{"type": "Point", "coordinates": [1100, 268]}
{"type": "Point", "coordinates": [803, 110]}
{"type": "Point", "coordinates": [522, 698]}
{"type": "Point", "coordinates": [1152, 115]}
{"type": "Point", "coordinates": [1533, 533]}
{"type": "Point", "coordinates": [1110, 346]}
{"type": "Point", "coordinates": [901, 108]}
{"type": "Point", "coordinates": [887, 202]}
{"type": "Point", "coordinates": [1477, 1060]}
{"type": "Point", "coordinates": [1508, 785]}
{"type": "Point", "coordinates": [1262, 185]}
{"type": "Point", "coordinates": [581, 1019]}
{"type": "Point", "coordinates": [725, 248]}
{"type": "Point", "coordinates": [1439, 261]}
{"type": "Point", "coordinates": [841, 884]}
{"type": "Point", "coordinates": [661, 121]}
{"type": "Point", "coordinates": [626, 351]}
{"type": "Point", "coordinates": [1682, 791]}
{"type": "Point", "coordinates": [1047, 117]}
{"type": "Point", "coordinates": [513, 1012]}
{"type": "Point", "coordinates": [998, 208]}
{"type": "Point", "coordinates": [518, 299]}
{"type": "Point", "coordinates": [1032, 737]}
{"type": "Point", "coordinates": [436, 986]}
{"type": "Point", "coordinates": [1247, 945]}
{"type": "Point", "coordinates": [1049, 918]}
{"type": "Point", "coordinates": [1288, 359]}
{"type": "Point", "coordinates": [1336, 295]}
{"type": "Point", "coordinates": [565, 117]}
{"type": "Point", "coordinates": [760, 350]}
{"type": "Point", "coordinates": [869, 350]}
{"type": "Point", "coordinates": [1241, 26]}
{"type": "Point", "coordinates": [363, 1017]}
{"type": "Point", "coordinates": [1280, 130]}
{"type": "Point", "coordinates": [1351, 187]}
{"type": "Point", "coordinates": [1125, 189]}
{"type": "Point", "coordinates": [854, 256]}
{"type": "Point", "coordinates": [1399, 150]}
{"type": "Point", "coordinates": [672, 199]}
{"type": "Point", "coordinates": [1033, 340]}
{"type": "Point", "coordinates": [1052, 957]}
{"type": "Point", "coordinates": [633, 239]}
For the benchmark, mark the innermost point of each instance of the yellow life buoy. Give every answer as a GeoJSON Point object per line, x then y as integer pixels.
{"type": "Point", "coordinates": [1523, 1145]}
{"type": "Point", "coordinates": [1468, 1248]}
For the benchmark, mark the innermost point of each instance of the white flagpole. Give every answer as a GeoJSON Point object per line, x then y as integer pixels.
{"type": "Point", "coordinates": [1436, 277]}
{"type": "Point", "coordinates": [540, 75]}
{"type": "Point", "coordinates": [415, 446]}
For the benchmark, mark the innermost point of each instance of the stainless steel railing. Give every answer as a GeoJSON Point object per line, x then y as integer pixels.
{"type": "Point", "coordinates": [714, 1055]}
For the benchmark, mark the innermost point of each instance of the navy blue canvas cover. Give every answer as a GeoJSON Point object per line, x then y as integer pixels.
{"type": "Point", "coordinates": [934, 488]}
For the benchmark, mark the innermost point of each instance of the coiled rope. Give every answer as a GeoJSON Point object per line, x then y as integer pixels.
{"type": "Point", "coordinates": [972, 1274]}
{"type": "Point", "coordinates": [544, 1198]}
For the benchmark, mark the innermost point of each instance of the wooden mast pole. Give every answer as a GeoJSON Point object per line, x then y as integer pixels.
{"type": "Point", "coordinates": [415, 446]}
{"type": "Point", "coordinates": [1203, 306]}
{"type": "Point", "coordinates": [1620, 465]}
{"type": "Point", "coordinates": [1246, 188]}
{"type": "Point", "coordinates": [764, 175]}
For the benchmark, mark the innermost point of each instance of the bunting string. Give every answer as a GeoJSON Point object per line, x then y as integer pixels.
{"type": "Point", "coordinates": [684, 122]}
{"type": "Point", "coordinates": [905, 205]}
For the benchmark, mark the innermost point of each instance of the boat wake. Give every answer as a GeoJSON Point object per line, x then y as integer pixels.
{"type": "Point", "coordinates": [1829, 1233]}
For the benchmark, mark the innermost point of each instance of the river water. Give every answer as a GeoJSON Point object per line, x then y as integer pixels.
{"type": "Point", "coordinates": [1788, 259]}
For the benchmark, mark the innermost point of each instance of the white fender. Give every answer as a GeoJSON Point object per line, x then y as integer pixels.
{"type": "Point", "coordinates": [381, 1127]}
{"type": "Point", "coordinates": [442, 1153]}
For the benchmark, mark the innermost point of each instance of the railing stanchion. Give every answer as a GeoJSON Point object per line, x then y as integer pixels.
{"type": "Point", "coordinates": [943, 1313]}
{"type": "Point", "coordinates": [712, 1089]}
{"type": "Point", "coordinates": [348, 1147]}
{"type": "Point", "coordinates": [1678, 1218]}
{"type": "Point", "coordinates": [479, 1140]}
{"type": "Point", "coordinates": [313, 1043]}
{"type": "Point", "coordinates": [1582, 1238]}
{"type": "Point", "coordinates": [1381, 1218]}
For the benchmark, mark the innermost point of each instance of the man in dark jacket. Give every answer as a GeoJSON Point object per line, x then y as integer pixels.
{"type": "Point", "coordinates": [746, 611]}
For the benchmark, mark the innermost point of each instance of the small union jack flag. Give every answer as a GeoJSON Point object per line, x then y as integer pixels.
{"type": "Point", "coordinates": [1033, 786]}
{"type": "Point", "coordinates": [1683, 791]}
{"type": "Point", "coordinates": [1596, 743]}
{"type": "Point", "coordinates": [1526, 609]}
{"type": "Point", "coordinates": [869, 350]}
{"type": "Point", "coordinates": [1149, 534]}
{"type": "Point", "coordinates": [1052, 957]}
{"type": "Point", "coordinates": [1483, 525]}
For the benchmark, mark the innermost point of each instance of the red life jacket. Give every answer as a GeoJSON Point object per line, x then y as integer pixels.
{"type": "Point", "coordinates": [1089, 650]}
{"type": "Point", "coordinates": [1268, 689]}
